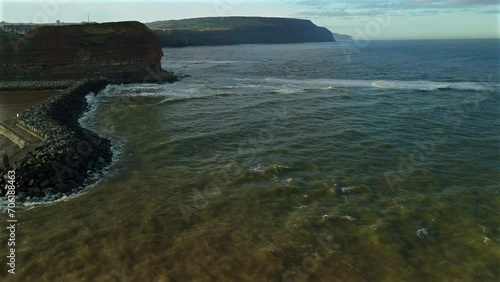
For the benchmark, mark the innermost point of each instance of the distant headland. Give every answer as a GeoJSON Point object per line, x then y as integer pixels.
{"type": "Point", "coordinates": [342, 37]}
{"type": "Point", "coordinates": [238, 30]}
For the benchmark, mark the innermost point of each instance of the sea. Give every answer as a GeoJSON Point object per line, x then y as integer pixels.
{"type": "Point", "coordinates": [337, 161]}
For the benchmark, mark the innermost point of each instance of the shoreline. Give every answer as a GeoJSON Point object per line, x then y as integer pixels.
{"type": "Point", "coordinates": [69, 154]}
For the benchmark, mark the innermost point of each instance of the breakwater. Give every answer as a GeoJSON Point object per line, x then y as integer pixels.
{"type": "Point", "coordinates": [35, 85]}
{"type": "Point", "coordinates": [68, 154]}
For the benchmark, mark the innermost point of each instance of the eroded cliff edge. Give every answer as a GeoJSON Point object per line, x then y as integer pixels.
{"type": "Point", "coordinates": [238, 30]}
{"type": "Point", "coordinates": [121, 52]}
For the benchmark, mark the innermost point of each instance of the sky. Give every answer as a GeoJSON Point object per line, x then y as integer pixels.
{"type": "Point", "coordinates": [362, 19]}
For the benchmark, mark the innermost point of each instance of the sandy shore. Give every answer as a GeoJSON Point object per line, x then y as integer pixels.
{"type": "Point", "coordinates": [12, 103]}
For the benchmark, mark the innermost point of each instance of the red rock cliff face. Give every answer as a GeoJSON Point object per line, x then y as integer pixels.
{"type": "Point", "coordinates": [121, 51]}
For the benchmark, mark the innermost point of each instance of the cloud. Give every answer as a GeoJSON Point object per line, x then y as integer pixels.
{"type": "Point", "coordinates": [409, 4]}
{"type": "Point", "coordinates": [314, 2]}
{"type": "Point", "coordinates": [336, 13]}
{"type": "Point", "coordinates": [460, 2]}
{"type": "Point", "coordinates": [322, 14]}
{"type": "Point", "coordinates": [429, 12]}
{"type": "Point", "coordinates": [497, 11]}
{"type": "Point", "coordinates": [360, 8]}
{"type": "Point", "coordinates": [345, 8]}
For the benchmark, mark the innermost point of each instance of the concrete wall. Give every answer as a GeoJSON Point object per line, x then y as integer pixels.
{"type": "Point", "coordinates": [7, 132]}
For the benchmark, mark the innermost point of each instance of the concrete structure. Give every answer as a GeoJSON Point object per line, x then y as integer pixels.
{"type": "Point", "coordinates": [26, 139]}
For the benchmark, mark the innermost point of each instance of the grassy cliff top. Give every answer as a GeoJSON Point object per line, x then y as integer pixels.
{"type": "Point", "coordinates": [53, 43]}
{"type": "Point", "coordinates": [82, 34]}
{"type": "Point", "coordinates": [98, 28]}
{"type": "Point", "coordinates": [86, 29]}
{"type": "Point", "coordinates": [226, 23]}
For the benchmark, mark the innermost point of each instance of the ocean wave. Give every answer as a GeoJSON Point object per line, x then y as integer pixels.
{"type": "Point", "coordinates": [288, 90]}
{"type": "Point", "coordinates": [319, 83]}
{"type": "Point", "coordinates": [160, 94]}
{"type": "Point", "coordinates": [132, 90]}
{"type": "Point", "coordinates": [419, 85]}
{"type": "Point", "coordinates": [89, 121]}
{"type": "Point", "coordinates": [174, 99]}
{"type": "Point", "coordinates": [198, 62]}
{"type": "Point", "coordinates": [411, 85]}
{"type": "Point", "coordinates": [187, 90]}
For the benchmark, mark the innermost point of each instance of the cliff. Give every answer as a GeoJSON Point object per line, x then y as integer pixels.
{"type": "Point", "coordinates": [238, 30]}
{"type": "Point", "coordinates": [119, 51]}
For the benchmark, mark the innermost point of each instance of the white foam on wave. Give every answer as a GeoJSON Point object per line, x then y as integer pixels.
{"type": "Point", "coordinates": [319, 83]}
{"type": "Point", "coordinates": [92, 181]}
{"type": "Point", "coordinates": [420, 85]}
{"type": "Point", "coordinates": [186, 90]}
{"type": "Point", "coordinates": [479, 86]}
{"type": "Point", "coordinates": [132, 90]}
{"type": "Point", "coordinates": [411, 85]}
{"type": "Point", "coordinates": [59, 197]}
{"type": "Point", "coordinates": [89, 121]}
{"type": "Point", "coordinates": [172, 92]}
{"type": "Point", "coordinates": [288, 90]}
{"type": "Point", "coordinates": [215, 62]}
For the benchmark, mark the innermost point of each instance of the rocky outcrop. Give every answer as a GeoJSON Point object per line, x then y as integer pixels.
{"type": "Point", "coordinates": [121, 52]}
{"type": "Point", "coordinates": [69, 154]}
{"type": "Point", "coordinates": [238, 30]}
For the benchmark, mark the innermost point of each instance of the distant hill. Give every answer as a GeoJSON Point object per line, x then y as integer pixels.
{"type": "Point", "coordinates": [238, 30]}
{"type": "Point", "coordinates": [339, 36]}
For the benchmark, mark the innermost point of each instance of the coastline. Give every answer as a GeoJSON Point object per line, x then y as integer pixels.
{"type": "Point", "coordinates": [68, 154]}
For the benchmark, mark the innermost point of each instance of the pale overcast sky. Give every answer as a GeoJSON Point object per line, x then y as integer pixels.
{"type": "Point", "coordinates": [373, 19]}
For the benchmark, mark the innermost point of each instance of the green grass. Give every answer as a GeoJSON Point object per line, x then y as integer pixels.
{"type": "Point", "coordinates": [88, 34]}
{"type": "Point", "coordinates": [219, 23]}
